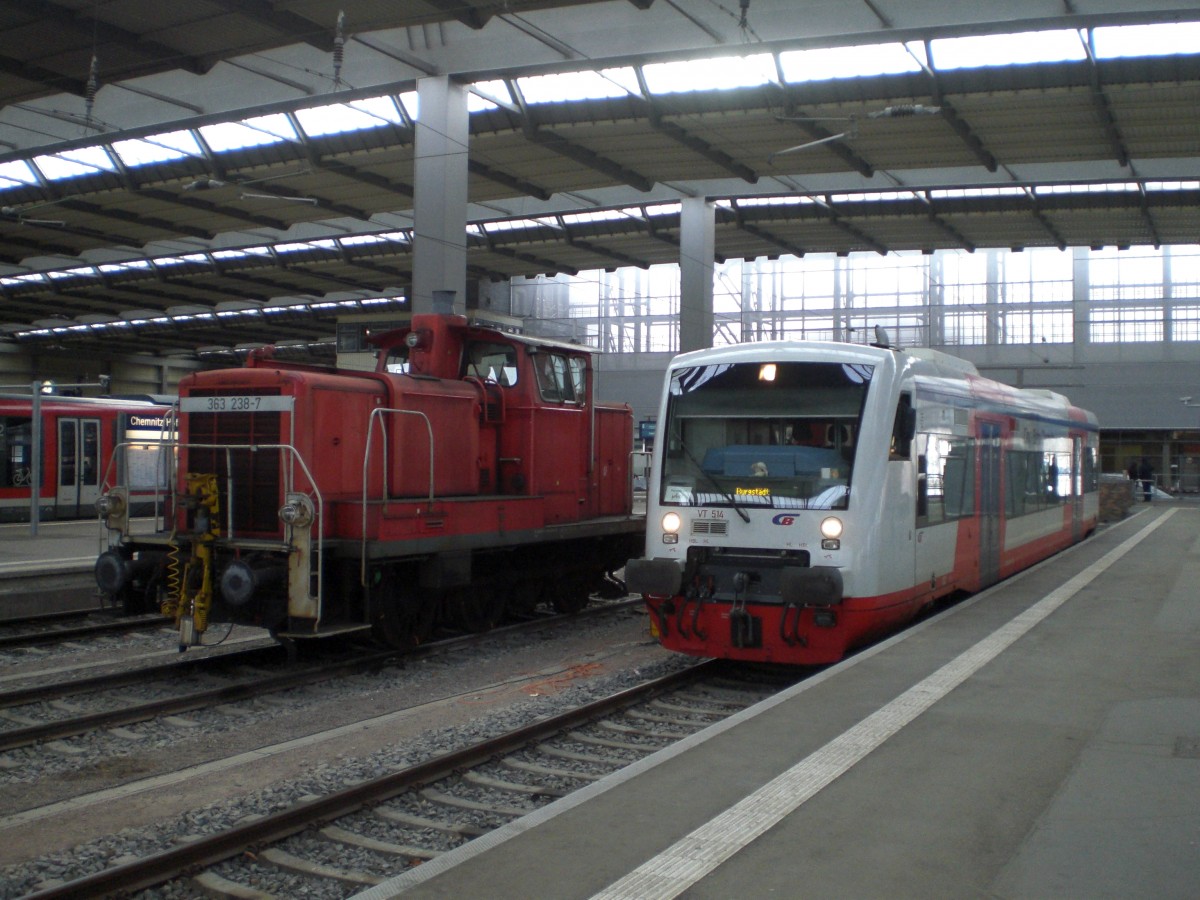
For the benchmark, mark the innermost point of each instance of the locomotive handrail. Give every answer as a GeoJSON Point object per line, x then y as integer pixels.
{"type": "Point", "coordinates": [162, 475]}
{"type": "Point", "coordinates": [377, 414]}
{"type": "Point", "coordinates": [289, 486]}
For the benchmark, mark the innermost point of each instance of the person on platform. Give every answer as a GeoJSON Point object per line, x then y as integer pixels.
{"type": "Point", "coordinates": [1146, 476]}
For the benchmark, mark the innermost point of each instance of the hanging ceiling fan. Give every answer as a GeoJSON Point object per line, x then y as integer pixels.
{"type": "Point", "coordinates": [208, 183]}
{"type": "Point", "coordinates": [18, 214]}
{"type": "Point", "coordinates": [898, 111]}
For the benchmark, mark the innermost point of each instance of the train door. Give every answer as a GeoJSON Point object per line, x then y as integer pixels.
{"type": "Point", "coordinates": [990, 500]}
{"type": "Point", "coordinates": [1076, 488]}
{"type": "Point", "coordinates": [78, 465]}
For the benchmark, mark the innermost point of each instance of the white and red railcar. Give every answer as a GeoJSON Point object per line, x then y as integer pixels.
{"type": "Point", "coordinates": [469, 473]}
{"type": "Point", "coordinates": [806, 498]}
{"type": "Point", "coordinates": [76, 442]}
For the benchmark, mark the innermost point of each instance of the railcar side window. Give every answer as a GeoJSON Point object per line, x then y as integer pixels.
{"type": "Point", "coordinates": [1037, 479]}
{"type": "Point", "coordinates": [945, 479]}
{"type": "Point", "coordinates": [16, 450]}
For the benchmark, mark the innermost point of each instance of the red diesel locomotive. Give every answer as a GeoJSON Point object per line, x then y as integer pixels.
{"type": "Point", "coordinates": [470, 473]}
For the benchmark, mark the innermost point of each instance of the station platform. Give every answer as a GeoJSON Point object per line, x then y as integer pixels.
{"type": "Point", "coordinates": [50, 571]}
{"type": "Point", "coordinates": [1041, 739]}
{"type": "Point", "coordinates": [56, 546]}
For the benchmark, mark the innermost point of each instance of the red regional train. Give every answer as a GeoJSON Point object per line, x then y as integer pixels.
{"type": "Point", "coordinates": [78, 435]}
{"type": "Point", "coordinates": [470, 473]}
{"type": "Point", "coordinates": [806, 498]}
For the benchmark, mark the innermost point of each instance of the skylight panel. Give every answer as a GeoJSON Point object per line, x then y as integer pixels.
{"type": "Point", "coordinates": [599, 215]}
{"type": "Point", "coordinates": [491, 94]}
{"type": "Point", "coordinates": [1176, 38]}
{"type": "Point", "coordinates": [586, 85]}
{"type": "Point", "coordinates": [962, 193]}
{"type": "Point", "coordinates": [847, 62]}
{"type": "Point", "coordinates": [410, 103]}
{"type": "Point", "coordinates": [254, 132]}
{"type": "Point", "coordinates": [720, 74]}
{"type": "Point", "coordinates": [157, 148]}
{"type": "Point", "coordinates": [1110, 187]}
{"type": "Point", "coordinates": [13, 174]}
{"type": "Point", "coordinates": [1007, 49]}
{"type": "Point", "coordinates": [337, 118]}
{"type": "Point", "coordinates": [74, 163]}
{"type": "Point", "coordinates": [1172, 185]}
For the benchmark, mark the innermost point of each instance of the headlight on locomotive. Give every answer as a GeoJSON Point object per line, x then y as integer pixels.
{"type": "Point", "coordinates": [111, 504]}
{"type": "Point", "coordinates": [298, 512]}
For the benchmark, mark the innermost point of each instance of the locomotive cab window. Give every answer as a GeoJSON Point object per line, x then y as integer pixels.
{"type": "Point", "coordinates": [397, 360]}
{"type": "Point", "coordinates": [495, 363]}
{"type": "Point", "coordinates": [560, 378]}
{"type": "Point", "coordinates": [787, 441]}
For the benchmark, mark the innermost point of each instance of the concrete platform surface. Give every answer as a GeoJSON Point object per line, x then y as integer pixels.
{"type": "Point", "coordinates": [1041, 739]}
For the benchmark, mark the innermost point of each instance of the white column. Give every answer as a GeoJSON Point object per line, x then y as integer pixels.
{"type": "Point", "coordinates": [440, 201]}
{"type": "Point", "coordinates": [697, 243]}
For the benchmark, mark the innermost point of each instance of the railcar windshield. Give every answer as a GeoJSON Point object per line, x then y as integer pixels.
{"type": "Point", "coordinates": [780, 435]}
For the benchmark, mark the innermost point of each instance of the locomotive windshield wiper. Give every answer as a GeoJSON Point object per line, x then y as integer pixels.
{"type": "Point", "coordinates": [713, 481]}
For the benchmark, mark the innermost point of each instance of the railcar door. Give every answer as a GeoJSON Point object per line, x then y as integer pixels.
{"type": "Point", "coordinates": [78, 465]}
{"type": "Point", "coordinates": [1076, 489]}
{"type": "Point", "coordinates": [989, 502]}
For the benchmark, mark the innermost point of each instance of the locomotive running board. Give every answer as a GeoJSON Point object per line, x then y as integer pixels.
{"type": "Point", "coordinates": [324, 631]}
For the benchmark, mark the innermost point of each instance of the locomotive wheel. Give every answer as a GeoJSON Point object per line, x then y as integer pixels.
{"type": "Point", "coordinates": [398, 617]}
{"type": "Point", "coordinates": [141, 594]}
{"type": "Point", "coordinates": [524, 597]}
{"type": "Point", "coordinates": [475, 609]}
{"type": "Point", "coordinates": [571, 595]}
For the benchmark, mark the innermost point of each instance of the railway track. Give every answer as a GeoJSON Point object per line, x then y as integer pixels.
{"type": "Point", "coordinates": [355, 836]}
{"type": "Point", "coordinates": [55, 710]}
{"type": "Point", "coordinates": [70, 626]}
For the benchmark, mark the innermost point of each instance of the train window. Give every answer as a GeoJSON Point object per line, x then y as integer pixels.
{"type": "Point", "coordinates": [1036, 480]}
{"type": "Point", "coordinates": [578, 377]}
{"type": "Point", "coordinates": [16, 450]}
{"type": "Point", "coordinates": [397, 360]}
{"type": "Point", "coordinates": [735, 438]}
{"type": "Point", "coordinates": [945, 479]}
{"type": "Point", "coordinates": [560, 378]}
{"type": "Point", "coordinates": [903, 428]}
{"type": "Point", "coordinates": [492, 362]}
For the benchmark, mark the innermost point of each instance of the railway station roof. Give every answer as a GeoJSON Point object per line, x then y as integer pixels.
{"type": "Point", "coordinates": [219, 172]}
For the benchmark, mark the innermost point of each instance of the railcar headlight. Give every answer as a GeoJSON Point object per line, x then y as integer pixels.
{"type": "Point", "coordinates": [831, 533]}
{"type": "Point", "coordinates": [671, 523]}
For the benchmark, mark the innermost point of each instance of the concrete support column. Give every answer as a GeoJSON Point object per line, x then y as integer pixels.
{"type": "Point", "coordinates": [697, 243]}
{"type": "Point", "coordinates": [1081, 291]}
{"type": "Point", "coordinates": [994, 291]}
{"type": "Point", "coordinates": [440, 201]}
